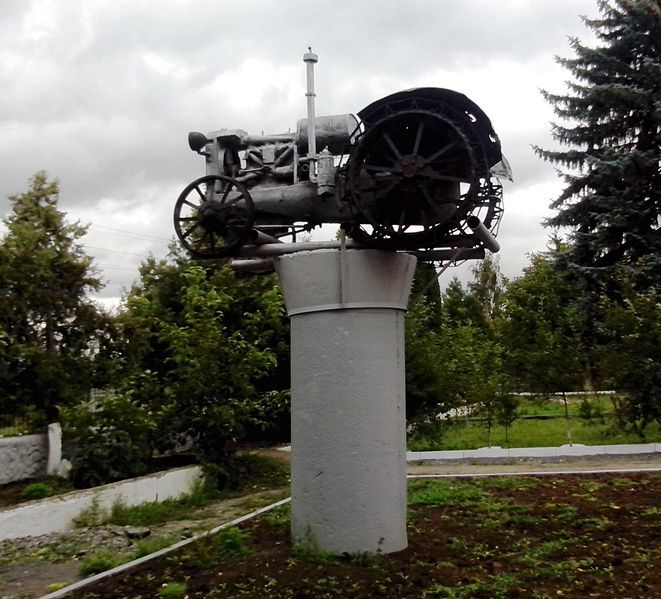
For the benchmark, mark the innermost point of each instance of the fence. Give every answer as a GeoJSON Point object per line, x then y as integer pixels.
{"type": "Point", "coordinates": [17, 426]}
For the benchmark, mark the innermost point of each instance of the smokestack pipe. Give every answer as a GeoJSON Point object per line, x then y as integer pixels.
{"type": "Point", "coordinates": [310, 59]}
{"type": "Point", "coordinates": [483, 234]}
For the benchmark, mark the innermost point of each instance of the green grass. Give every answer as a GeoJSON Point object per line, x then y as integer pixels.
{"type": "Point", "coordinates": [173, 590]}
{"type": "Point", "coordinates": [473, 434]}
{"type": "Point", "coordinates": [101, 561]}
{"type": "Point", "coordinates": [261, 473]}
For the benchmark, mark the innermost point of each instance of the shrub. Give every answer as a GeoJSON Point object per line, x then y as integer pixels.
{"type": "Point", "coordinates": [112, 440]}
{"type": "Point", "coordinates": [37, 491]}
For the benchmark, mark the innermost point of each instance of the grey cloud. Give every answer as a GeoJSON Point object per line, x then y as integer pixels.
{"type": "Point", "coordinates": [82, 103]}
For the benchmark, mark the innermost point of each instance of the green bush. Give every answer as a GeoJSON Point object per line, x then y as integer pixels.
{"type": "Point", "coordinates": [37, 491]}
{"type": "Point", "coordinates": [112, 440]}
{"type": "Point", "coordinates": [240, 472]}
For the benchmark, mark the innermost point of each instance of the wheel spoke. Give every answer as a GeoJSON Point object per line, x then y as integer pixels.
{"type": "Point", "coordinates": [428, 199]}
{"type": "Point", "coordinates": [418, 137]}
{"type": "Point", "coordinates": [190, 204]}
{"type": "Point", "coordinates": [381, 169]}
{"type": "Point", "coordinates": [393, 147]}
{"type": "Point", "coordinates": [438, 177]}
{"type": "Point", "coordinates": [225, 194]}
{"type": "Point", "coordinates": [443, 150]}
{"type": "Point", "coordinates": [201, 240]}
{"type": "Point", "coordinates": [190, 230]}
{"type": "Point", "coordinates": [199, 191]}
{"type": "Point", "coordinates": [382, 190]}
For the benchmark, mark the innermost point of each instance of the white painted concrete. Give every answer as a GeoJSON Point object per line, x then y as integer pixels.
{"type": "Point", "coordinates": [55, 514]}
{"type": "Point", "coordinates": [22, 457]}
{"type": "Point", "coordinates": [348, 398]}
{"type": "Point", "coordinates": [54, 464]}
{"type": "Point", "coordinates": [539, 473]}
{"type": "Point", "coordinates": [533, 452]}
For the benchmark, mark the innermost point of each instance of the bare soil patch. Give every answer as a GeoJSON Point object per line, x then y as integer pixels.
{"type": "Point", "coordinates": [572, 536]}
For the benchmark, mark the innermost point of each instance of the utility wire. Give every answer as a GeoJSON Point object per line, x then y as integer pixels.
{"type": "Point", "coordinates": [116, 267]}
{"type": "Point", "coordinates": [92, 247]}
{"type": "Point", "coordinates": [104, 229]}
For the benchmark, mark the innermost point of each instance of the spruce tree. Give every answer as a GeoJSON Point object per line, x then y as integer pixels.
{"type": "Point", "coordinates": [611, 204]}
{"type": "Point", "coordinates": [50, 328]}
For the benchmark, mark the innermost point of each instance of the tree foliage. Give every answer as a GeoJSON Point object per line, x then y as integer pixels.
{"type": "Point", "coordinates": [629, 354]}
{"type": "Point", "coordinates": [50, 330]}
{"type": "Point", "coordinates": [612, 124]}
{"type": "Point", "coordinates": [207, 352]}
{"type": "Point", "coordinates": [542, 329]}
{"type": "Point", "coordinates": [453, 358]}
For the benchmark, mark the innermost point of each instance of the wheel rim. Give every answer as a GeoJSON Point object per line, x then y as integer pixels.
{"type": "Point", "coordinates": [410, 176]}
{"type": "Point", "coordinates": [213, 216]}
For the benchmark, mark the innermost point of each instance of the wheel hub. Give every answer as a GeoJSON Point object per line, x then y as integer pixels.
{"type": "Point", "coordinates": [411, 165]}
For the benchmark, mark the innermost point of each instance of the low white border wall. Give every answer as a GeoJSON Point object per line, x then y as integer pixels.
{"type": "Point", "coordinates": [574, 450]}
{"type": "Point", "coordinates": [55, 514]}
{"type": "Point", "coordinates": [22, 457]}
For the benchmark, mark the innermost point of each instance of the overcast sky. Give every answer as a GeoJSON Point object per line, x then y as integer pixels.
{"type": "Point", "coordinates": [102, 94]}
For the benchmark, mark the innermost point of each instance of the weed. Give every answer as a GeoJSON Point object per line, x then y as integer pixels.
{"type": "Point", "coordinates": [91, 516]}
{"type": "Point", "coordinates": [523, 520]}
{"type": "Point", "coordinates": [100, 561]}
{"type": "Point", "coordinates": [37, 491]}
{"type": "Point", "coordinates": [442, 492]}
{"type": "Point", "coordinates": [494, 587]}
{"type": "Point", "coordinates": [280, 516]}
{"type": "Point", "coordinates": [567, 514]}
{"type": "Point", "coordinates": [172, 590]}
{"type": "Point", "coordinates": [592, 486]}
{"type": "Point", "coordinates": [231, 542]}
{"type": "Point", "coordinates": [307, 549]}
{"type": "Point", "coordinates": [510, 483]}
{"type": "Point", "coordinates": [149, 546]}
{"type": "Point", "coordinates": [153, 512]}
{"type": "Point", "coordinates": [597, 523]}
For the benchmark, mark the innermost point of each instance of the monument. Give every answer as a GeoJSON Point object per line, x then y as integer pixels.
{"type": "Point", "coordinates": [412, 177]}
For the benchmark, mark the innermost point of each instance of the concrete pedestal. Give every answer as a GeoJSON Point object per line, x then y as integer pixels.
{"type": "Point", "coordinates": [348, 398]}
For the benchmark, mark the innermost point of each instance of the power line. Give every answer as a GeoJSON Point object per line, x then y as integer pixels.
{"type": "Point", "coordinates": [116, 267]}
{"type": "Point", "coordinates": [143, 236]}
{"type": "Point", "coordinates": [92, 247]}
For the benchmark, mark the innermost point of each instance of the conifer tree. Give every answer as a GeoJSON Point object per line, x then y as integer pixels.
{"type": "Point", "coordinates": [611, 204]}
{"type": "Point", "coordinates": [50, 327]}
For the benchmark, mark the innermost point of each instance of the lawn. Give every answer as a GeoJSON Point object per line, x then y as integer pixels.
{"type": "Point", "coordinates": [576, 536]}
{"type": "Point", "coordinates": [551, 431]}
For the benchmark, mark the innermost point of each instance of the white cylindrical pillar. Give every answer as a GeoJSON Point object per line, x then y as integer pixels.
{"type": "Point", "coordinates": [348, 398]}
